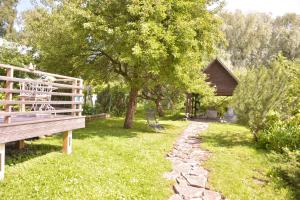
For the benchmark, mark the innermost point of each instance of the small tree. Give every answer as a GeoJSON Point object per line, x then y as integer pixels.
{"type": "Point", "coordinates": [261, 91]}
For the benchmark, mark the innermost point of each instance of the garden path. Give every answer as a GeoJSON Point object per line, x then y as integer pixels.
{"type": "Point", "coordinates": [186, 158]}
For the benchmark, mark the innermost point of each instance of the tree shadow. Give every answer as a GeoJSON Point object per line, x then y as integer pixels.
{"type": "Point", "coordinates": [227, 139]}
{"type": "Point", "coordinates": [230, 138]}
{"type": "Point", "coordinates": [15, 156]}
{"type": "Point", "coordinates": [113, 128]}
{"type": "Point", "coordinates": [98, 128]}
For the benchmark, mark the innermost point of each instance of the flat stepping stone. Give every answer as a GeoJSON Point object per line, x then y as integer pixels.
{"type": "Point", "coordinates": [198, 171]}
{"type": "Point", "coordinates": [175, 197]}
{"type": "Point", "coordinates": [171, 175]}
{"type": "Point", "coordinates": [211, 195]}
{"type": "Point", "coordinates": [188, 192]}
{"type": "Point", "coordinates": [196, 181]}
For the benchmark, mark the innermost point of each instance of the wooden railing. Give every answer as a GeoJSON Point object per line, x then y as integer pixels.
{"type": "Point", "coordinates": [31, 92]}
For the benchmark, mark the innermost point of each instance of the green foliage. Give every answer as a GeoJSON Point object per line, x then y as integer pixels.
{"type": "Point", "coordinates": [253, 39]}
{"type": "Point", "coordinates": [286, 170]}
{"type": "Point", "coordinates": [215, 102]}
{"type": "Point", "coordinates": [248, 37]}
{"type": "Point", "coordinates": [14, 57]}
{"type": "Point", "coordinates": [261, 91]}
{"type": "Point", "coordinates": [112, 99]}
{"type": "Point", "coordinates": [88, 109]}
{"type": "Point", "coordinates": [281, 134]}
{"type": "Point", "coordinates": [138, 40]}
{"type": "Point", "coordinates": [141, 42]}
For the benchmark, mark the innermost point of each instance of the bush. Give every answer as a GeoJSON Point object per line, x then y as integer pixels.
{"type": "Point", "coordinates": [287, 170]}
{"type": "Point", "coordinates": [281, 134]}
{"type": "Point", "coordinates": [88, 109]}
{"type": "Point", "coordinates": [261, 91]}
{"type": "Point", "coordinates": [112, 100]}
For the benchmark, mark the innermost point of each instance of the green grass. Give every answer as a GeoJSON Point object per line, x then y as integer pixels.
{"type": "Point", "coordinates": [108, 162]}
{"type": "Point", "coordinates": [237, 168]}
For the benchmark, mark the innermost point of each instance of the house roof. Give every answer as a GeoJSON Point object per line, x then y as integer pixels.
{"type": "Point", "coordinates": [221, 78]}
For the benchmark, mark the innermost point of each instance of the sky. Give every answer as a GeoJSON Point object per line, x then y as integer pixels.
{"type": "Point", "coordinates": [276, 7]}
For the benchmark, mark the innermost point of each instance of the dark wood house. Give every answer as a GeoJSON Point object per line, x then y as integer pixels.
{"type": "Point", "coordinates": [219, 77]}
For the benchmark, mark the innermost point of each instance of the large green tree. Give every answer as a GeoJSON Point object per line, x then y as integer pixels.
{"type": "Point", "coordinates": [137, 40]}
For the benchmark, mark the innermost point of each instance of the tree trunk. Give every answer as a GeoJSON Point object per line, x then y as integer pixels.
{"type": "Point", "coordinates": [159, 108]}
{"type": "Point", "coordinates": [131, 107]}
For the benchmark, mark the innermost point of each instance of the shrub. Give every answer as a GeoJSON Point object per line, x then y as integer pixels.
{"type": "Point", "coordinates": [112, 100]}
{"type": "Point", "coordinates": [261, 91]}
{"type": "Point", "coordinates": [287, 170]}
{"type": "Point", "coordinates": [88, 109]}
{"type": "Point", "coordinates": [281, 134]}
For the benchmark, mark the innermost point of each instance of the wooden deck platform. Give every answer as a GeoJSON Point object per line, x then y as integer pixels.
{"type": "Point", "coordinates": [24, 127]}
{"type": "Point", "coordinates": [35, 103]}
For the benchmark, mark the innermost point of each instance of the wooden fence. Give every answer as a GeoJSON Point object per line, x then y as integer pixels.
{"type": "Point", "coordinates": [52, 94]}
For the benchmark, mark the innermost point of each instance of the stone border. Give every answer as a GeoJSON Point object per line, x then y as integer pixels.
{"type": "Point", "coordinates": [186, 158]}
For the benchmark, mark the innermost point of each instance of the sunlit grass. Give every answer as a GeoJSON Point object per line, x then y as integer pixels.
{"type": "Point", "coordinates": [237, 168]}
{"type": "Point", "coordinates": [108, 162]}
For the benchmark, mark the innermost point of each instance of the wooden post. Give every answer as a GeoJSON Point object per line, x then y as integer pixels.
{"type": "Point", "coordinates": [2, 160]}
{"type": "Point", "coordinates": [67, 142]}
{"type": "Point", "coordinates": [21, 144]}
{"type": "Point", "coordinates": [8, 95]}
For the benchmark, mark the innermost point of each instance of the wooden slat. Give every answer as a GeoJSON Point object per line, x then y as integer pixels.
{"type": "Point", "coordinates": [39, 112]}
{"type": "Point", "coordinates": [36, 72]}
{"type": "Point", "coordinates": [4, 78]}
{"type": "Point", "coordinates": [80, 92]}
{"type": "Point", "coordinates": [8, 96]}
{"type": "Point", "coordinates": [12, 102]}
{"type": "Point", "coordinates": [36, 92]}
{"type": "Point", "coordinates": [74, 91]}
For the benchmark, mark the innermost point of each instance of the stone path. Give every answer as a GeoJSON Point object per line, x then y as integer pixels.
{"type": "Point", "coordinates": [186, 158]}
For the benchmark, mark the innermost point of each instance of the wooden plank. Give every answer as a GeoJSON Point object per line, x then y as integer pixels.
{"type": "Point", "coordinates": [39, 112]}
{"type": "Point", "coordinates": [40, 120]}
{"type": "Point", "coordinates": [8, 95]}
{"type": "Point", "coordinates": [37, 92]}
{"type": "Point", "coordinates": [21, 80]}
{"type": "Point", "coordinates": [2, 160]}
{"type": "Point", "coordinates": [67, 142]}
{"type": "Point", "coordinates": [36, 72]}
{"type": "Point", "coordinates": [25, 131]}
{"type": "Point", "coordinates": [12, 102]}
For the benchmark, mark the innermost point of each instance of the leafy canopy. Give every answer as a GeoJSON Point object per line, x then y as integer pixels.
{"type": "Point", "coordinates": [139, 40]}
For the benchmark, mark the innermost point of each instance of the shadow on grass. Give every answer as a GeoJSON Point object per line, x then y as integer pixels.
{"type": "Point", "coordinates": [227, 139]}
{"type": "Point", "coordinates": [113, 127]}
{"type": "Point", "coordinates": [15, 156]}
{"type": "Point", "coordinates": [98, 128]}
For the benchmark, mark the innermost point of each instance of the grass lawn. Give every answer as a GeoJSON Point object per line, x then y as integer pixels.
{"type": "Point", "coordinates": [237, 168]}
{"type": "Point", "coordinates": [108, 162]}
